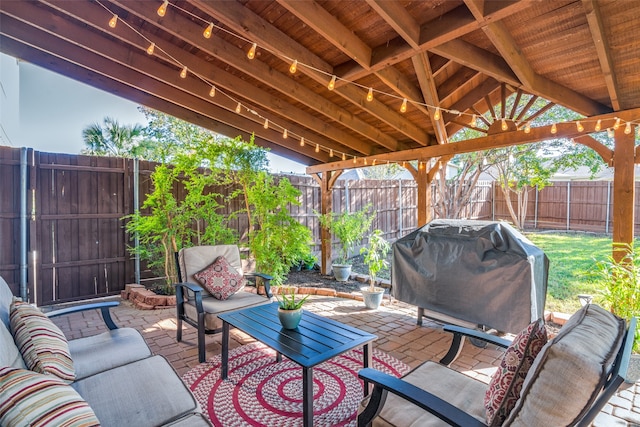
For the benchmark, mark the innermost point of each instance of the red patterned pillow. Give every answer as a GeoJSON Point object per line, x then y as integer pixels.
{"type": "Point", "coordinates": [506, 384]}
{"type": "Point", "coordinates": [220, 278]}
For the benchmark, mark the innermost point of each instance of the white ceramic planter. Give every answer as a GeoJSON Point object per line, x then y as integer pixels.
{"type": "Point", "coordinates": [341, 272]}
{"type": "Point", "coordinates": [372, 299]}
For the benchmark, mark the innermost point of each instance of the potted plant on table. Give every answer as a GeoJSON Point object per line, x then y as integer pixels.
{"type": "Point", "coordinates": [349, 228]}
{"type": "Point", "coordinates": [375, 257]}
{"type": "Point", "coordinates": [290, 309]}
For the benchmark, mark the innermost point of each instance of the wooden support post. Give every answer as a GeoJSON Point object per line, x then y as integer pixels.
{"type": "Point", "coordinates": [326, 206]}
{"type": "Point", "coordinates": [623, 191]}
{"type": "Point", "coordinates": [424, 195]}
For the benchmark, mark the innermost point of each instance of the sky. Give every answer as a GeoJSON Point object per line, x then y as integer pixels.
{"type": "Point", "coordinates": [47, 111]}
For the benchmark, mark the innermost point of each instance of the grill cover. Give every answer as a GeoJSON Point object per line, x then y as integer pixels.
{"type": "Point", "coordinates": [482, 272]}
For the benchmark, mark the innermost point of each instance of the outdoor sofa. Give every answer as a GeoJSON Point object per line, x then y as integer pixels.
{"type": "Point", "coordinates": [111, 378]}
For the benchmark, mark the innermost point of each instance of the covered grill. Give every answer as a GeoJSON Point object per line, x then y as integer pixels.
{"type": "Point", "coordinates": [480, 272]}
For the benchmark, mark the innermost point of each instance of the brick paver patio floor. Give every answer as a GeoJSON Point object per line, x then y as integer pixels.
{"type": "Point", "coordinates": [394, 324]}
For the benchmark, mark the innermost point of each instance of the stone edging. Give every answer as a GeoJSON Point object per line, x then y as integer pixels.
{"type": "Point", "coordinates": [144, 299]}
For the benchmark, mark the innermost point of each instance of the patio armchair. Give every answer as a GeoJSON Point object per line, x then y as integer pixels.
{"type": "Point", "coordinates": [196, 305]}
{"type": "Point", "coordinates": [567, 383]}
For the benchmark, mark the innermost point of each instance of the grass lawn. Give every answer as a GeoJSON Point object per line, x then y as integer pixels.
{"type": "Point", "coordinates": [571, 259]}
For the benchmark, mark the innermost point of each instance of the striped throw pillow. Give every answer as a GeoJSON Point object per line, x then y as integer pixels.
{"type": "Point", "coordinates": [42, 344]}
{"type": "Point", "coordinates": [31, 399]}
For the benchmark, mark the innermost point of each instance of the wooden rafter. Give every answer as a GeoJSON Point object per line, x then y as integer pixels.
{"type": "Point", "coordinates": [430, 94]}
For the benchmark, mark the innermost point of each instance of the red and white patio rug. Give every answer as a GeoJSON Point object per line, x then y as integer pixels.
{"type": "Point", "coordinates": [261, 392]}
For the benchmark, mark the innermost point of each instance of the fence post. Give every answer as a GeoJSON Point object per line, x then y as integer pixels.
{"type": "Point", "coordinates": [493, 200]}
{"type": "Point", "coordinates": [400, 209]}
{"type": "Point", "coordinates": [606, 223]}
{"type": "Point", "coordinates": [23, 224]}
{"type": "Point", "coordinates": [568, 204]}
{"type": "Point", "coordinates": [346, 196]}
{"type": "Point", "coordinates": [535, 210]}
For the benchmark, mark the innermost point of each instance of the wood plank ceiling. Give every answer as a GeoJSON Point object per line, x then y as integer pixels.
{"type": "Point", "coordinates": [450, 60]}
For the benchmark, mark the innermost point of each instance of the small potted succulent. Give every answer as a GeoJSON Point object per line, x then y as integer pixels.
{"type": "Point", "coordinates": [375, 257]}
{"type": "Point", "coordinates": [290, 309]}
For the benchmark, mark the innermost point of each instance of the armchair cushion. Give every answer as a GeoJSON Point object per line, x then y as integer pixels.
{"type": "Point", "coordinates": [32, 399]}
{"type": "Point", "coordinates": [559, 387]}
{"type": "Point", "coordinates": [506, 384]}
{"type": "Point", "coordinates": [42, 344]}
{"type": "Point", "coordinates": [220, 278]}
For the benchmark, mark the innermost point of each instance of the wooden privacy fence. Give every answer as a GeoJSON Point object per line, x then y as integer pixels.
{"type": "Point", "coordinates": [62, 237]}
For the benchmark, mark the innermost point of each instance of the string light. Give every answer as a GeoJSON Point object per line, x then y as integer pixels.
{"type": "Point", "coordinates": [579, 126]}
{"type": "Point", "coordinates": [183, 73]}
{"type": "Point", "coordinates": [504, 125]}
{"type": "Point", "coordinates": [473, 120]}
{"type": "Point", "coordinates": [627, 128]}
{"type": "Point", "coordinates": [113, 21]}
{"type": "Point", "coordinates": [332, 83]}
{"type": "Point", "coordinates": [527, 128]}
{"type": "Point", "coordinates": [436, 115]}
{"type": "Point", "coordinates": [365, 161]}
{"type": "Point", "coordinates": [554, 129]}
{"type": "Point", "coordinates": [302, 141]}
{"type": "Point", "coordinates": [420, 165]}
{"type": "Point", "coordinates": [294, 66]}
{"type": "Point", "coordinates": [370, 95]}
{"type": "Point", "coordinates": [212, 92]}
{"type": "Point", "coordinates": [207, 31]}
{"type": "Point", "coordinates": [238, 108]}
{"type": "Point", "coordinates": [373, 163]}
{"type": "Point", "coordinates": [331, 152]}
{"type": "Point", "coordinates": [344, 156]}
{"type": "Point", "coordinates": [266, 124]}
{"type": "Point", "coordinates": [403, 107]}
{"type": "Point", "coordinates": [617, 123]}
{"type": "Point", "coordinates": [252, 51]}
{"type": "Point", "coordinates": [317, 148]}
{"type": "Point", "coordinates": [162, 10]}
{"type": "Point", "coordinates": [598, 125]}
{"type": "Point", "coordinates": [355, 160]}
{"type": "Point", "coordinates": [151, 48]}
{"type": "Point", "coordinates": [285, 134]}
{"type": "Point", "coordinates": [404, 164]}
{"type": "Point", "coordinates": [610, 133]}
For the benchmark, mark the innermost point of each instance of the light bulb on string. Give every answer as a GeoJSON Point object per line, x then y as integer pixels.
{"type": "Point", "coordinates": [212, 92]}
{"type": "Point", "coordinates": [504, 125]}
{"type": "Point", "coordinates": [554, 129]}
{"type": "Point", "coordinates": [285, 134]}
{"type": "Point", "coordinates": [331, 152]}
{"type": "Point", "coordinates": [365, 161]}
{"type": "Point", "coordinates": [294, 66]}
{"type": "Point", "coordinates": [332, 83]}
{"type": "Point", "coordinates": [627, 128]}
{"type": "Point", "coordinates": [183, 73]}
{"type": "Point", "coordinates": [162, 10]}
{"type": "Point", "coordinates": [317, 148]}
{"type": "Point", "coordinates": [252, 51]}
{"type": "Point", "coordinates": [207, 31]}
{"type": "Point", "coordinates": [238, 108]}
{"type": "Point", "coordinates": [473, 120]}
{"type": "Point", "coordinates": [617, 123]}
{"type": "Point", "coordinates": [344, 156]}
{"type": "Point", "coordinates": [113, 21]}
{"type": "Point", "coordinates": [436, 115]}
{"type": "Point", "coordinates": [527, 128]}
{"type": "Point", "coordinates": [373, 163]}
{"type": "Point", "coordinates": [302, 141]}
{"type": "Point", "coordinates": [610, 133]}
{"type": "Point", "coordinates": [370, 95]}
{"type": "Point", "coordinates": [266, 124]}
{"type": "Point", "coordinates": [579, 126]}
{"type": "Point", "coordinates": [355, 160]}
{"type": "Point", "coordinates": [403, 107]}
{"type": "Point", "coordinates": [151, 48]}
{"type": "Point", "coordinates": [598, 125]}
{"type": "Point", "coordinates": [404, 164]}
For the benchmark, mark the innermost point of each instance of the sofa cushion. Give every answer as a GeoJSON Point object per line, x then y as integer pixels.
{"type": "Point", "coordinates": [42, 344]}
{"type": "Point", "coordinates": [28, 398]}
{"type": "Point", "coordinates": [6, 297]}
{"type": "Point", "coordinates": [143, 393]}
{"type": "Point", "coordinates": [9, 353]}
{"type": "Point", "coordinates": [506, 383]}
{"type": "Point", "coordinates": [116, 348]}
{"type": "Point", "coordinates": [220, 279]}
{"type": "Point", "coordinates": [561, 384]}
{"type": "Point", "coordinates": [447, 384]}
{"type": "Point", "coordinates": [213, 307]}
